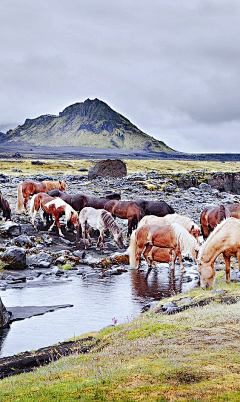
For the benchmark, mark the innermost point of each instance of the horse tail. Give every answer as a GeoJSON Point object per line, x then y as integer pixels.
{"type": "Point", "coordinates": [19, 199]}
{"type": "Point", "coordinates": [32, 206]}
{"type": "Point", "coordinates": [132, 250]}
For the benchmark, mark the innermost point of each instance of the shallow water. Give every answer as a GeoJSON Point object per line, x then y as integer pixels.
{"type": "Point", "coordinates": [96, 303]}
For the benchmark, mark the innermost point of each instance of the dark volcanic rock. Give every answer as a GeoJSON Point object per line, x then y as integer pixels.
{"type": "Point", "coordinates": [108, 168]}
{"type": "Point", "coordinates": [13, 258]}
{"type": "Point", "coordinates": [5, 315]}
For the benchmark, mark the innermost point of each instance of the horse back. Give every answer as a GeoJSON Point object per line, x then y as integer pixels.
{"type": "Point", "coordinates": [234, 210]}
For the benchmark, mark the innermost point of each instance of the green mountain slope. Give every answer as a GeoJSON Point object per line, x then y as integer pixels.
{"type": "Point", "coordinates": [87, 124]}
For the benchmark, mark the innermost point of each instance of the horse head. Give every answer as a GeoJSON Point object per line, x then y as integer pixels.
{"type": "Point", "coordinates": [206, 273]}
{"type": "Point", "coordinates": [118, 238]}
{"type": "Point", "coordinates": [74, 217]}
{"type": "Point", "coordinates": [63, 185]}
{"type": "Point", "coordinates": [195, 231]}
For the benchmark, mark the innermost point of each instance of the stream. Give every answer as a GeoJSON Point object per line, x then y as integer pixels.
{"type": "Point", "coordinates": [97, 303]}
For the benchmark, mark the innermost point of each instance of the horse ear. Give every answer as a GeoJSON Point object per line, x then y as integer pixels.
{"type": "Point", "coordinates": [192, 227]}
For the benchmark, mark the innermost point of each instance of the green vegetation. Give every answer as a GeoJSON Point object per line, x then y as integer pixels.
{"type": "Point", "coordinates": [189, 356]}
{"type": "Point", "coordinates": [171, 167]}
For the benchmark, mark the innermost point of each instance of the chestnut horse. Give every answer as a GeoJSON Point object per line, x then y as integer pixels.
{"type": "Point", "coordinates": [211, 217]}
{"type": "Point", "coordinates": [29, 187]}
{"type": "Point", "coordinates": [172, 236]}
{"type": "Point", "coordinates": [99, 219]}
{"type": "Point", "coordinates": [125, 210]}
{"type": "Point", "coordinates": [157, 208]}
{"type": "Point", "coordinates": [185, 221]}
{"type": "Point", "coordinates": [53, 206]}
{"type": "Point", "coordinates": [79, 201]}
{"type": "Point", "coordinates": [5, 207]}
{"type": "Point", "coordinates": [224, 239]}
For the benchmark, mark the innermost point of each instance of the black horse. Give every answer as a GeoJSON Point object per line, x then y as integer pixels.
{"type": "Point", "coordinates": [157, 208]}
{"type": "Point", "coordinates": [5, 207]}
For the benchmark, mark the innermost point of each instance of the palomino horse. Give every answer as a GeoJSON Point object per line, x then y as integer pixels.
{"type": "Point", "coordinates": [172, 236]}
{"type": "Point", "coordinates": [27, 188]}
{"type": "Point", "coordinates": [5, 207]}
{"type": "Point", "coordinates": [157, 208]}
{"type": "Point", "coordinates": [79, 201]}
{"type": "Point", "coordinates": [101, 220]}
{"type": "Point", "coordinates": [224, 239]}
{"type": "Point", "coordinates": [211, 217]}
{"type": "Point", "coordinates": [185, 221]}
{"type": "Point", "coordinates": [55, 207]}
{"type": "Point", "coordinates": [125, 210]}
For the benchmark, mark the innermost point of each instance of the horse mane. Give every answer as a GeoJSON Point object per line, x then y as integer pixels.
{"type": "Point", "coordinates": [186, 241]}
{"type": "Point", "coordinates": [212, 234]}
{"type": "Point", "coordinates": [109, 221]}
{"type": "Point", "coordinates": [68, 211]}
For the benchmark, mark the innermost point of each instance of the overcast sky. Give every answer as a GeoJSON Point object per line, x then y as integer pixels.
{"type": "Point", "coordinates": [170, 66]}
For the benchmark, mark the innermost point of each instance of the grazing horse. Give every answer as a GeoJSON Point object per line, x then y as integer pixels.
{"type": "Point", "coordinates": [125, 210]}
{"type": "Point", "coordinates": [101, 220]}
{"type": "Point", "coordinates": [172, 236]}
{"type": "Point", "coordinates": [53, 206]}
{"type": "Point", "coordinates": [185, 221]}
{"type": "Point", "coordinates": [5, 207]}
{"type": "Point", "coordinates": [27, 188]}
{"type": "Point", "coordinates": [224, 239]}
{"type": "Point", "coordinates": [211, 217]}
{"type": "Point", "coordinates": [157, 208]}
{"type": "Point", "coordinates": [79, 201]}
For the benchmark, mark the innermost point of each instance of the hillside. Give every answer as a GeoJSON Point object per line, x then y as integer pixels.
{"type": "Point", "coordinates": [91, 123]}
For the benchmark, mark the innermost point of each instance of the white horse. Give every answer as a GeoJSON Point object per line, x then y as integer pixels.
{"type": "Point", "coordinates": [98, 219]}
{"type": "Point", "coordinates": [182, 220]}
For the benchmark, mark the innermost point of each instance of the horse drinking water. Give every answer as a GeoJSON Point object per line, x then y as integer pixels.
{"type": "Point", "coordinates": [101, 220]}
{"type": "Point", "coordinates": [224, 239]}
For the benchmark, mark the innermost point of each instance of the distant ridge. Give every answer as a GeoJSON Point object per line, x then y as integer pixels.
{"type": "Point", "coordinates": [91, 123]}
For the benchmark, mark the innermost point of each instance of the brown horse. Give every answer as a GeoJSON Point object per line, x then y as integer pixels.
{"type": "Point", "coordinates": [172, 236]}
{"type": "Point", "coordinates": [211, 217]}
{"type": "Point", "coordinates": [224, 239]}
{"type": "Point", "coordinates": [125, 210]}
{"type": "Point", "coordinates": [183, 220]}
{"type": "Point", "coordinates": [53, 206]}
{"type": "Point", "coordinates": [27, 188]}
{"type": "Point", "coordinates": [5, 207]}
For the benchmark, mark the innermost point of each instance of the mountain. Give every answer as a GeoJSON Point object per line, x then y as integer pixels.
{"type": "Point", "coordinates": [91, 123]}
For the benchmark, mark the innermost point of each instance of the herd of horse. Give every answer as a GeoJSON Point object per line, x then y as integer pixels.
{"type": "Point", "coordinates": [153, 226]}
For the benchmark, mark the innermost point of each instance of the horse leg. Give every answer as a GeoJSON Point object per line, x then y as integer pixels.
{"type": "Point", "coordinates": [129, 227]}
{"type": "Point", "coordinates": [59, 226]}
{"type": "Point", "coordinates": [227, 267]}
{"type": "Point", "coordinates": [101, 238]}
{"type": "Point", "coordinates": [26, 198]}
{"type": "Point", "coordinates": [148, 255]}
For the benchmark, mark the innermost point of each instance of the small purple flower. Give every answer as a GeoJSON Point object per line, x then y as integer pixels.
{"type": "Point", "coordinates": [114, 320]}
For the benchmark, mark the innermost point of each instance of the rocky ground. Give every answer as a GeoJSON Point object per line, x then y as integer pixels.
{"type": "Point", "coordinates": [46, 258]}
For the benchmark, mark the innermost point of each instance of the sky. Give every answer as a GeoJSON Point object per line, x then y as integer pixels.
{"type": "Point", "coordinates": [172, 67]}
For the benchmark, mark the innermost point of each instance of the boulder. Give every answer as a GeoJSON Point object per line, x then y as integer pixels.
{"type": "Point", "coordinates": [23, 241]}
{"type": "Point", "coordinates": [10, 228]}
{"type": "Point", "coordinates": [13, 258]}
{"type": "Point", "coordinates": [108, 168]}
{"type": "Point", "coordinates": [4, 315]}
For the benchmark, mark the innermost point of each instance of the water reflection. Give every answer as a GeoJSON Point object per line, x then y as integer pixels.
{"type": "Point", "coordinates": [156, 283]}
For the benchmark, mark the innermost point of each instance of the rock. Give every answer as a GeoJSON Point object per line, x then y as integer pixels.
{"type": "Point", "coordinates": [108, 168]}
{"type": "Point", "coordinates": [5, 316]}
{"type": "Point", "coordinates": [205, 187]}
{"type": "Point", "coordinates": [57, 271]}
{"type": "Point", "coordinates": [13, 258]}
{"type": "Point", "coordinates": [23, 241]}
{"type": "Point", "coordinates": [10, 228]}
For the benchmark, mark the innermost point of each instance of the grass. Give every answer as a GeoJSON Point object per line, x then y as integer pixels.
{"type": "Point", "coordinates": [191, 356]}
{"type": "Point", "coordinates": [65, 167]}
